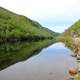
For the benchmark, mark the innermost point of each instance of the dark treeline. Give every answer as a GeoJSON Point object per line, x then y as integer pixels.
{"type": "Point", "coordinates": [23, 38]}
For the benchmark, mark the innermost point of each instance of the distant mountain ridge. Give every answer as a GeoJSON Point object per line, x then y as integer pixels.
{"type": "Point", "coordinates": [14, 26]}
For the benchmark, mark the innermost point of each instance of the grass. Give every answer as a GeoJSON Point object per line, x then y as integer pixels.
{"type": "Point", "coordinates": [77, 77]}
{"type": "Point", "coordinates": [16, 26]}
{"type": "Point", "coordinates": [68, 38]}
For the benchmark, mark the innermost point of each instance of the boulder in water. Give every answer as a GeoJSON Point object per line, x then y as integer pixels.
{"type": "Point", "coordinates": [73, 71]}
{"type": "Point", "coordinates": [78, 57]}
{"type": "Point", "coordinates": [73, 55]}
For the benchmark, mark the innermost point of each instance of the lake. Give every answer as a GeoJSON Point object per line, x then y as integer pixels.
{"type": "Point", "coordinates": [43, 60]}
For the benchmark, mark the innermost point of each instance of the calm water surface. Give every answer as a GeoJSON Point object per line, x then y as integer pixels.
{"type": "Point", "coordinates": [51, 63]}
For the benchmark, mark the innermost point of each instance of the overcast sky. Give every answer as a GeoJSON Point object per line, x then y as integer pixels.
{"type": "Point", "coordinates": [54, 14]}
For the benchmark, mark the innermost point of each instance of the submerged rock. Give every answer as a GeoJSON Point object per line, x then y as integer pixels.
{"type": "Point", "coordinates": [78, 57]}
{"type": "Point", "coordinates": [73, 71]}
{"type": "Point", "coordinates": [74, 55]}
{"type": "Point", "coordinates": [66, 79]}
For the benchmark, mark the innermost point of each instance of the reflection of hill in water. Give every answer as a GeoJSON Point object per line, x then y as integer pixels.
{"type": "Point", "coordinates": [13, 53]}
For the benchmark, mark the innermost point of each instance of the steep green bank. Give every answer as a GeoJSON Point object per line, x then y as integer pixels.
{"type": "Point", "coordinates": [71, 37]}
{"type": "Point", "coordinates": [18, 27]}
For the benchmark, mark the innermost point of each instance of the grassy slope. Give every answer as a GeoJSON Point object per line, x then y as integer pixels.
{"type": "Point", "coordinates": [13, 25]}
{"type": "Point", "coordinates": [67, 36]}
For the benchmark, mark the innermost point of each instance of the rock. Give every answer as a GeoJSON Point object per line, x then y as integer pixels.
{"type": "Point", "coordinates": [78, 61]}
{"type": "Point", "coordinates": [66, 79]}
{"type": "Point", "coordinates": [73, 71]}
{"type": "Point", "coordinates": [78, 57]}
{"type": "Point", "coordinates": [79, 67]}
{"type": "Point", "coordinates": [73, 55]}
{"type": "Point", "coordinates": [76, 40]}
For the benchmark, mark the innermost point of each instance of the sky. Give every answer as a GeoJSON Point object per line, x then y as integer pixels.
{"type": "Point", "coordinates": [56, 15]}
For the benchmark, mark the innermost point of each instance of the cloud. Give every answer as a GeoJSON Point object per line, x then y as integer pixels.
{"type": "Point", "coordinates": [47, 12]}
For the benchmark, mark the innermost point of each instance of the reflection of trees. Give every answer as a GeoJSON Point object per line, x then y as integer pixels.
{"type": "Point", "coordinates": [11, 53]}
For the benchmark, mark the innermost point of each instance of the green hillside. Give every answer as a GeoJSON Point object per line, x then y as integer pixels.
{"type": "Point", "coordinates": [71, 39]}
{"type": "Point", "coordinates": [14, 26]}
{"type": "Point", "coordinates": [72, 32]}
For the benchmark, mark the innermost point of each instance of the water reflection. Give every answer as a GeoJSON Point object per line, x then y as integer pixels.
{"type": "Point", "coordinates": [50, 64]}
{"type": "Point", "coordinates": [11, 53]}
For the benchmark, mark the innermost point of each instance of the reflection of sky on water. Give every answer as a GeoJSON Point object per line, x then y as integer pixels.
{"type": "Point", "coordinates": [51, 64]}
